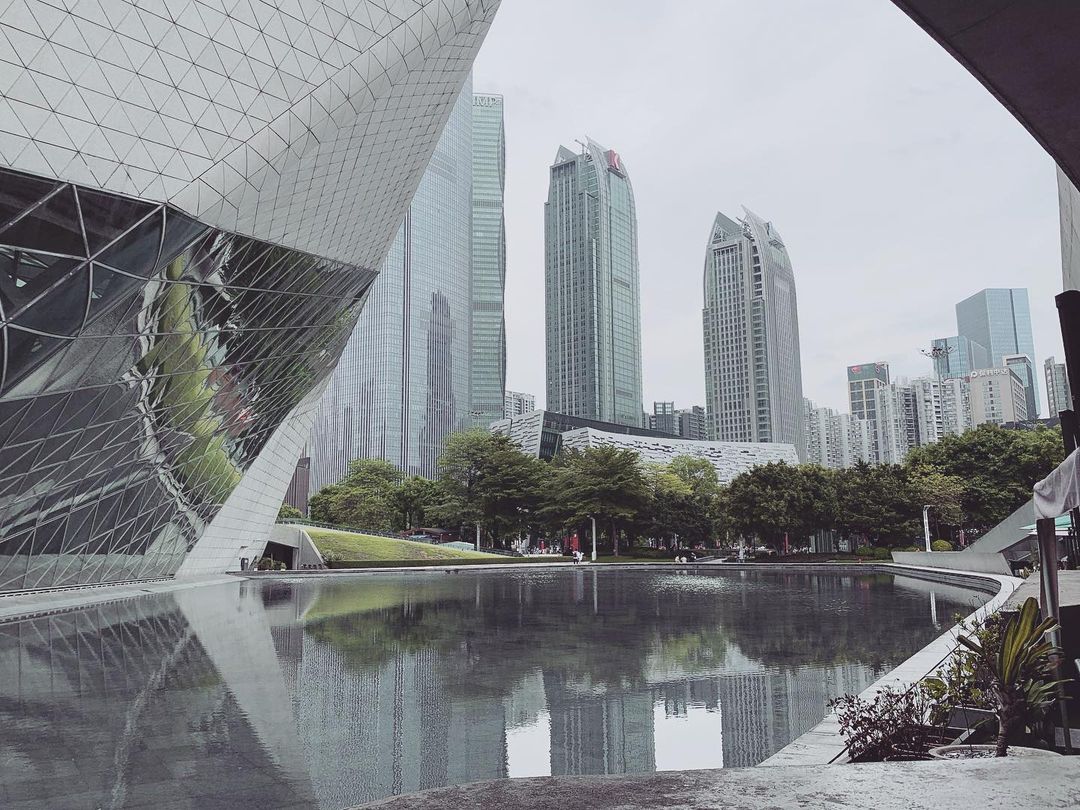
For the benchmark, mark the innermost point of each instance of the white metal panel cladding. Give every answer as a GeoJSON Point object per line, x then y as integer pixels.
{"type": "Point", "coordinates": [157, 370]}
{"type": "Point", "coordinates": [298, 122]}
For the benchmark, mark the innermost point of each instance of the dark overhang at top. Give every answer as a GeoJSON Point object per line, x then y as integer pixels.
{"type": "Point", "coordinates": [1026, 52]}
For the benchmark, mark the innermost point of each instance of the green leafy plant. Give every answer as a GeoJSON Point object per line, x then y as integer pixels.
{"type": "Point", "coordinates": [891, 726]}
{"type": "Point", "coordinates": [941, 545]}
{"type": "Point", "coordinates": [964, 681]}
{"type": "Point", "coordinates": [1021, 671]}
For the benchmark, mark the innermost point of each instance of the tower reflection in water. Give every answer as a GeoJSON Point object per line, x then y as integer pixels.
{"type": "Point", "coordinates": [327, 693]}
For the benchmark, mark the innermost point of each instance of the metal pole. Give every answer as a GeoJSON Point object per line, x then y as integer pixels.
{"type": "Point", "coordinates": [1049, 602]}
{"type": "Point", "coordinates": [926, 526]}
{"type": "Point", "coordinates": [477, 536]}
{"type": "Point", "coordinates": [593, 537]}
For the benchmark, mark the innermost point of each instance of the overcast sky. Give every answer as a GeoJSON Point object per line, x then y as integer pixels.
{"type": "Point", "coordinates": [899, 185]}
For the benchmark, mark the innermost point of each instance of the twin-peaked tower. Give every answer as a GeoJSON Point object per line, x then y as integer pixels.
{"type": "Point", "coordinates": [591, 288]}
{"type": "Point", "coordinates": [753, 375]}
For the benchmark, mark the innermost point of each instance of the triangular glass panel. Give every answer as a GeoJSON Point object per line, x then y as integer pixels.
{"type": "Point", "coordinates": [136, 251]}
{"type": "Point", "coordinates": [62, 309]}
{"type": "Point", "coordinates": [24, 275]}
{"type": "Point", "coordinates": [106, 216]}
{"type": "Point", "coordinates": [18, 192]}
{"type": "Point", "coordinates": [180, 232]}
{"type": "Point", "coordinates": [53, 226]}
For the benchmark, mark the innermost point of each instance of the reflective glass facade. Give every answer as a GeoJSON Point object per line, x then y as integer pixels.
{"type": "Point", "coordinates": [961, 356]}
{"type": "Point", "coordinates": [753, 374]}
{"type": "Point", "coordinates": [488, 259]}
{"type": "Point", "coordinates": [593, 308]}
{"type": "Point", "coordinates": [403, 383]}
{"type": "Point", "coordinates": [171, 309]}
{"type": "Point", "coordinates": [1000, 320]}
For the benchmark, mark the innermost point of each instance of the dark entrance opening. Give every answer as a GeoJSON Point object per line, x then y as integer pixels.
{"type": "Point", "coordinates": [279, 553]}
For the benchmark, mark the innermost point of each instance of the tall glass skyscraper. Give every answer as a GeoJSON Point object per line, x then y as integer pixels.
{"type": "Point", "coordinates": [488, 259]}
{"type": "Point", "coordinates": [403, 382]}
{"type": "Point", "coordinates": [591, 288]}
{"type": "Point", "coordinates": [1000, 320]}
{"type": "Point", "coordinates": [960, 356]}
{"type": "Point", "coordinates": [753, 374]}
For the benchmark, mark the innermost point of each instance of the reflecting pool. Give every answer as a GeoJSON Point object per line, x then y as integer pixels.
{"type": "Point", "coordinates": [329, 692]}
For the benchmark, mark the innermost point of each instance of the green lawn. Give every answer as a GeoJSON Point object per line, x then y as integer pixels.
{"type": "Point", "coordinates": [366, 547]}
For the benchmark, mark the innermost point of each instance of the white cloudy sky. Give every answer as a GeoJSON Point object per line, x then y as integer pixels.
{"type": "Point", "coordinates": [899, 184]}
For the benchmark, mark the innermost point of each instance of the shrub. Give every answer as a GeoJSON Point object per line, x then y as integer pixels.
{"type": "Point", "coordinates": [941, 545]}
{"type": "Point", "coordinates": [891, 726]}
{"type": "Point", "coordinates": [864, 551]}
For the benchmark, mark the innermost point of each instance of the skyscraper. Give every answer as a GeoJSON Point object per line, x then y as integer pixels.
{"type": "Point", "coordinates": [663, 418]}
{"type": "Point", "coordinates": [593, 330]}
{"type": "Point", "coordinates": [488, 259]}
{"type": "Point", "coordinates": [753, 375]}
{"type": "Point", "coordinates": [402, 385]}
{"type": "Point", "coordinates": [1024, 368]}
{"type": "Point", "coordinates": [1058, 394]}
{"type": "Point", "coordinates": [1000, 320]}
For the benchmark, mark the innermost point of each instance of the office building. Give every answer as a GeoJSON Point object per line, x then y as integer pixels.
{"type": "Point", "coordinates": [864, 380]}
{"type": "Point", "coordinates": [593, 309]}
{"type": "Point", "coordinates": [691, 423]}
{"type": "Point", "coordinates": [1024, 368]}
{"type": "Point", "coordinates": [958, 356]}
{"type": "Point", "coordinates": [1058, 394]}
{"type": "Point", "coordinates": [1000, 320]}
{"type": "Point", "coordinates": [488, 367]}
{"type": "Point", "coordinates": [188, 250]}
{"type": "Point", "coordinates": [402, 385]}
{"type": "Point", "coordinates": [663, 418]}
{"type": "Point", "coordinates": [516, 403]}
{"type": "Point", "coordinates": [997, 396]}
{"type": "Point", "coordinates": [753, 375]}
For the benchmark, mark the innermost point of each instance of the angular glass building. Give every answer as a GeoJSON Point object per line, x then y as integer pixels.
{"type": "Point", "coordinates": [753, 374]}
{"type": "Point", "coordinates": [1000, 320]}
{"type": "Point", "coordinates": [192, 212]}
{"type": "Point", "coordinates": [488, 259]}
{"type": "Point", "coordinates": [593, 308]}
{"type": "Point", "coordinates": [402, 385]}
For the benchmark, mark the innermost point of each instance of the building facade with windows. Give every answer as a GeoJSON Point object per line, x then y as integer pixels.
{"type": "Point", "coordinates": [753, 374]}
{"type": "Point", "coordinates": [516, 403]}
{"type": "Point", "coordinates": [403, 383]}
{"type": "Point", "coordinates": [1058, 394]}
{"type": "Point", "coordinates": [998, 396]}
{"type": "Point", "coordinates": [836, 440]}
{"type": "Point", "coordinates": [488, 366]}
{"type": "Point", "coordinates": [174, 294]}
{"type": "Point", "coordinates": [1000, 320]}
{"type": "Point", "coordinates": [592, 297]}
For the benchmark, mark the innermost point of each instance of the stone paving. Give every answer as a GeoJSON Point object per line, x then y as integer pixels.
{"type": "Point", "coordinates": [978, 784]}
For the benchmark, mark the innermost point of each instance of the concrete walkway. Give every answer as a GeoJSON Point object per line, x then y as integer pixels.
{"type": "Point", "coordinates": [1016, 784]}
{"type": "Point", "coordinates": [60, 600]}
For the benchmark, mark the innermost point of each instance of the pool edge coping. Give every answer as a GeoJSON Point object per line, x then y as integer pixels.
{"type": "Point", "coordinates": [823, 745]}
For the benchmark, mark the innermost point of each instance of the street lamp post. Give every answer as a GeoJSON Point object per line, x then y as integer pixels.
{"type": "Point", "coordinates": [926, 526]}
{"type": "Point", "coordinates": [593, 519]}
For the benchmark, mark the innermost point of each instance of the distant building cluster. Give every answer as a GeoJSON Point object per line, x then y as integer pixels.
{"type": "Point", "coordinates": [984, 374]}
{"type": "Point", "coordinates": [686, 423]}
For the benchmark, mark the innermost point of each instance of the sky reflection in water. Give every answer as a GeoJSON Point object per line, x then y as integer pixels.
{"type": "Point", "coordinates": [325, 693]}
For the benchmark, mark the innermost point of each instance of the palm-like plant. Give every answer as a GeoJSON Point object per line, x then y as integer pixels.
{"type": "Point", "coordinates": [1021, 670]}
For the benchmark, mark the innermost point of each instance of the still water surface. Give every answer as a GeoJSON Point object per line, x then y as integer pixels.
{"type": "Point", "coordinates": [325, 693]}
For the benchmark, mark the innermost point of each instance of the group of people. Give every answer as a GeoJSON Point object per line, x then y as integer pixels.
{"type": "Point", "coordinates": [578, 556]}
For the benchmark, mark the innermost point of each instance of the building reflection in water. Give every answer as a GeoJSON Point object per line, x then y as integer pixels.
{"type": "Point", "coordinates": [329, 693]}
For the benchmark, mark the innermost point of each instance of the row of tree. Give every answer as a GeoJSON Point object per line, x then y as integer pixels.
{"type": "Point", "coordinates": [486, 484]}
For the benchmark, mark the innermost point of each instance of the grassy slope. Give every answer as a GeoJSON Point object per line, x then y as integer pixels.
{"type": "Point", "coordinates": [350, 546]}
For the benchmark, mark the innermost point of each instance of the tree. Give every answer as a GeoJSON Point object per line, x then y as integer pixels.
{"type": "Point", "coordinates": [998, 466]}
{"type": "Point", "coordinates": [365, 498]}
{"type": "Point", "coordinates": [667, 515]}
{"type": "Point", "coordinates": [605, 483]}
{"type": "Point", "coordinates": [486, 480]}
{"type": "Point", "coordinates": [876, 504]}
{"type": "Point", "coordinates": [413, 499]}
{"type": "Point", "coordinates": [287, 511]}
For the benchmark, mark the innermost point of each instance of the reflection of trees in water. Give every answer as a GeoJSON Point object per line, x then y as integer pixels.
{"type": "Point", "coordinates": [490, 630]}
